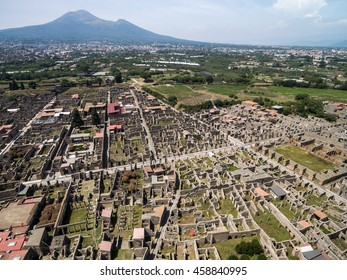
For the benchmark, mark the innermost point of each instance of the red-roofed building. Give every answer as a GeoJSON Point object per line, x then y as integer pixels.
{"type": "Point", "coordinates": [159, 171]}
{"type": "Point", "coordinates": [115, 128]}
{"type": "Point", "coordinates": [321, 216]}
{"type": "Point", "coordinates": [114, 108]}
{"type": "Point", "coordinates": [106, 214]}
{"type": "Point", "coordinates": [11, 245]}
{"type": "Point", "coordinates": [106, 246]}
{"type": "Point", "coordinates": [138, 237]}
{"type": "Point", "coordinates": [158, 215]}
{"type": "Point", "coordinates": [4, 235]}
{"type": "Point", "coordinates": [26, 254]}
{"type": "Point", "coordinates": [303, 225]}
{"type": "Point", "coordinates": [262, 193]}
{"type": "Point", "coordinates": [148, 170]}
{"type": "Point", "coordinates": [99, 135]}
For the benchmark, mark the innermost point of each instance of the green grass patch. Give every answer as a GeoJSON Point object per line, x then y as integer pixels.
{"type": "Point", "coordinates": [77, 215]}
{"type": "Point", "coordinates": [271, 226]}
{"type": "Point", "coordinates": [232, 168]}
{"type": "Point", "coordinates": [226, 248]}
{"type": "Point", "coordinates": [107, 185]}
{"type": "Point", "coordinates": [227, 207]}
{"type": "Point", "coordinates": [315, 200]}
{"type": "Point", "coordinates": [164, 123]}
{"type": "Point", "coordinates": [290, 255]}
{"type": "Point", "coordinates": [124, 254]}
{"type": "Point", "coordinates": [182, 92]}
{"type": "Point", "coordinates": [340, 243]}
{"type": "Point", "coordinates": [284, 207]}
{"type": "Point", "coordinates": [325, 230]}
{"type": "Point", "coordinates": [323, 94]}
{"type": "Point", "coordinates": [220, 89]}
{"type": "Point", "coordinates": [78, 148]}
{"type": "Point", "coordinates": [304, 158]}
{"type": "Point", "coordinates": [91, 237]}
{"type": "Point", "coordinates": [46, 149]}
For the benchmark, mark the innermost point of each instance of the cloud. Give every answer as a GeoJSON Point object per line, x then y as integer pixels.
{"type": "Point", "coordinates": [299, 5]}
{"type": "Point", "coordinates": [315, 16]}
{"type": "Point", "coordinates": [306, 9]}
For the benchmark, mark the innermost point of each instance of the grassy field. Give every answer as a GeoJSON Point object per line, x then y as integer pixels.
{"type": "Point", "coordinates": [181, 91]}
{"type": "Point", "coordinates": [264, 92]}
{"type": "Point", "coordinates": [271, 226]}
{"type": "Point", "coordinates": [187, 94]}
{"type": "Point", "coordinates": [227, 207]}
{"type": "Point", "coordinates": [324, 94]}
{"type": "Point", "coordinates": [220, 89]}
{"type": "Point", "coordinates": [124, 254]}
{"type": "Point", "coordinates": [304, 158]}
{"type": "Point", "coordinates": [339, 242]}
{"type": "Point", "coordinates": [226, 248]}
{"type": "Point", "coordinates": [283, 94]}
{"type": "Point", "coordinates": [190, 94]}
{"type": "Point", "coordinates": [315, 200]}
{"type": "Point", "coordinates": [284, 206]}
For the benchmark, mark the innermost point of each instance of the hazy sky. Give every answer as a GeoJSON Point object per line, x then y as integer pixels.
{"type": "Point", "coordinates": [230, 21]}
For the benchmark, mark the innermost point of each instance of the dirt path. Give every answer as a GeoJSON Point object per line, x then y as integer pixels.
{"type": "Point", "coordinates": [204, 95]}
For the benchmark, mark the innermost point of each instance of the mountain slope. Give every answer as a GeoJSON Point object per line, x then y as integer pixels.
{"type": "Point", "coordinates": [83, 26]}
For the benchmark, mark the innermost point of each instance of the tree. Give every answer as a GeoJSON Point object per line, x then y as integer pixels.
{"type": "Point", "coordinates": [172, 100]}
{"type": "Point", "coordinates": [302, 96]}
{"type": "Point", "coordinates": [257, 249]}
{"type": "Point", "coordinates": [233, 257]}
{"type": "Point", "coordinates": [322, 64]}
{"type": "Point", "coordinates": [95, 117]}
{"type": "Point", "coordinates": [22, 86]}
{"type": "Point", "coordinates": [32, 85]}
{"type": "Point", "coordinates": [89, 83]}
{"type": "Point", "coordinates": [13, 85]}
{"type": "Point", "coordinates": [330, 117]}
{"type": "Point", "coordinates": [146, 75]}
{"type": "Point", "coordinates": [76, 120]}
{"type": "Point", "coordinates": [209, 79]}
{"type": "Point", "coordinates": [64, 83]}
{"type": "Point", "coordinates": [99, 81]}
{"type": "Point", "coordinates": [245, 257]}
{"type": "Point", "coordinates": [261, 257]}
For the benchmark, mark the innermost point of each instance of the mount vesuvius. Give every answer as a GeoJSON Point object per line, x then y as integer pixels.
{"type": "Point", "coordinates": [83, 26]}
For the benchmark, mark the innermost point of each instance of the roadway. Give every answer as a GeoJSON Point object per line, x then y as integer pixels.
{"type": "Point", "coordinates": [145, 126]}
{"type": "Point", "coordinates": [25, 129]}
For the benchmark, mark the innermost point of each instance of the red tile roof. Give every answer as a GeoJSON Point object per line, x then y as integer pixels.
{"type": "Point", "coordinates": [139, 233]}
{"type": "Point", "coordinates": [12, 244]}
{"type": "Point", "coordinates": [14, 255]}
{"type": "Point", "coordinates": [261, 192]}
{"type": "Point", "coordinates": [106, 214]}
{"type": "Point", "coordinates": [304, 224]}
{"type": "Point", "coordinates": [321, 215]}
{"type": "Point", "coordinates": [148, 169]}
{"type": "Point", "coordinates": [106, 246]}
{"type": "Point", "coordinates": [115, 127]}
{"type": "Point", "coordinates": [159, 211]}
{"type": "Point", "coordinates": [113, 108]}
{"type": "Point", "coordinates": [3, 236]}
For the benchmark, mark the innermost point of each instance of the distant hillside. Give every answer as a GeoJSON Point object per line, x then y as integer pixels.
{"type": "Point", "coordinates": [83, 26]}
